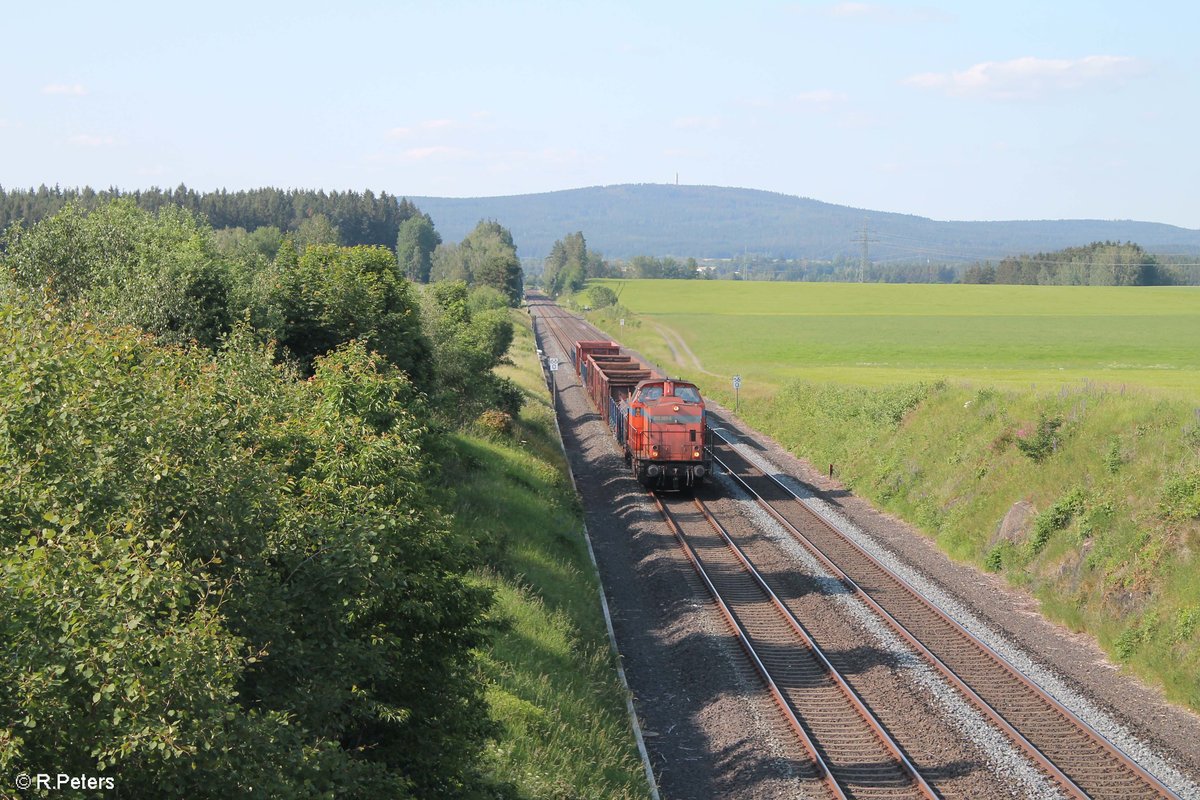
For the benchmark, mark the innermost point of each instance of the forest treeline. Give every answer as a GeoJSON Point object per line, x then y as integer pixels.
{"type": "Point", "coordinates": [570, 264]}
{"type": "Point", "coordinates": [1096, 264]}
{"type": "Point", "coordinates": [226, 558]}
{"type": "Point", "coordinates": [359, 217]}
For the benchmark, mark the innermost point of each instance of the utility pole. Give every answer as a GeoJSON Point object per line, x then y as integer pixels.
{"type": "Point", "coordinates": [865, 242]}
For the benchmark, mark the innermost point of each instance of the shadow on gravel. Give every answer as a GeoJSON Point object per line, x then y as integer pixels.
{"type": "Point", "coordinates": [732, 763]}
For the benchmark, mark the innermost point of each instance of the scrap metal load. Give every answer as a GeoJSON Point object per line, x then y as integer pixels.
{"type": "Point", "coordinates": [659, 422]}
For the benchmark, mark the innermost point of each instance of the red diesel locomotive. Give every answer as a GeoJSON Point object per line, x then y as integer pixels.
{"type": "Point", "coordinates": [657, 420]}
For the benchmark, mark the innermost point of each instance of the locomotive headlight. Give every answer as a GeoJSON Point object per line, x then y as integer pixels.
{"type": "Point", "coordinates": [654, 450]}
{"type": "Point", "coordinates": [695, 453]}
{"type": "Point", "coordinates": [675, 408]}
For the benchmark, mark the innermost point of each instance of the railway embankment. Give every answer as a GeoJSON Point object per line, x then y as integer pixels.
{"type": "Point", "coordinates": [1087, 497]}
{"type": "Point", "coordinates": [550, 678]}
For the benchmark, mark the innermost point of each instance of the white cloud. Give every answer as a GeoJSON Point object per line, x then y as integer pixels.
{"type": "Point", "coordinates": [697, 122]}
{"type": "Point", "coordinates": [1029, 77]}
{"type": "Point", "coordinates": [428, 125]}
{"type": "Point", "coordinates": [820, 97]}
{"type": "Point", "coordinates": [854, 9]}
{"type": "Point", "coordinates": [64, 88]}
{"type": "Point", "coordinates": [91, 140]}
{"type": "Point", "coordinates": [435, 151]}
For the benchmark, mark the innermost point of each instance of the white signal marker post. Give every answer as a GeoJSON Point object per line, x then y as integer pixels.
{"type": "Point", "coordinates": [553, 382]}
{"type": "Point", "coordinates": [737, 393]}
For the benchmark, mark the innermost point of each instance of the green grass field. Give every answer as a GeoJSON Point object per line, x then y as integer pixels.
{"type": "Point", "coordinates": [877, 334]}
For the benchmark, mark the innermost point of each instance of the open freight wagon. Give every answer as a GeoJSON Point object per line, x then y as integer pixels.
{"type": "Point", "coordinates": [658, 422]}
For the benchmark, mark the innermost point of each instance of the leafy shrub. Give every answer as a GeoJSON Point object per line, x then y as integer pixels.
{"type": "Point", "coordinates": [1133, 637]}
{"type": "Point", "coordinates": [998, 556]}
{"type": "Point", "coordinates": [1057, 517]}
{"type": "Point", "coordinates": [215, 577]}
{"type": "Point", "coordinates": [158, 272]}
{"type": "Point", "coordinates": [1040, 443]}
{"type": "Point", "coordinates": [333, 294]}
{"type": "Point", "coordinates": [1187, 622]}
{"type": "Point", "coordinates": [1180, 498]}
{"type": "Point", "coordinates": [600, 296]}
{"type": "Point", "coordinates": [1114, 459]}
{"type": "Point", "coordinates": [467, 345]}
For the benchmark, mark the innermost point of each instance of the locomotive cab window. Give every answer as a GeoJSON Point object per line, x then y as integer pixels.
{"type": "Point", "coordinates": [689, 394]}
{"type": "Point", "coordinates": [650, 393]}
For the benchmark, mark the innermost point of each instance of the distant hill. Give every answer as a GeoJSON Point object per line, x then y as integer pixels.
{"type": "Point", "coordinates": [718, 222]}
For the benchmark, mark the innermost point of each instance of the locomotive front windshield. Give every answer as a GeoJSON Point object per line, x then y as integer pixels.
{"type": "Point", "coordinates": [688, 394]}
{"type": "Point", "coordinates": [649, 393]}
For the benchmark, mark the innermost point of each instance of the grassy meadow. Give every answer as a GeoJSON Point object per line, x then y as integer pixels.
{"type": "Point", "coordinates": [951, 406]}
{"type": "Point", "coordinates": [879, 334]}
{"type": "Point", "coordinates": [550, 676]}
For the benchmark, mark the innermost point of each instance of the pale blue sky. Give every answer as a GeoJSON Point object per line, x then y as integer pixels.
{"type": "Point", "coordinates": [1013, 110]}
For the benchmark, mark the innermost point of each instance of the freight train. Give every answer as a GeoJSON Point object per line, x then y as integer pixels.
{"type": "Point", "coordinates": [657, 420]}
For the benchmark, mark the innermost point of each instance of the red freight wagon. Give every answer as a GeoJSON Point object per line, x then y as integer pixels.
{"type": "Point", "coordinates": [659, 422]}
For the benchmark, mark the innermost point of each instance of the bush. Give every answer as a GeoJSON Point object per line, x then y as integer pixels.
{"type": "Point", "coordinates": [1180, 497]}
{"type": "Point", "coordinates": [1057, 517]}
{"type": "Point", "coordinates": [158, 272]}
{"type": "Point", "coordinates": [214, 577]}
{"type": "Point", "coordinates": [467, 346]}
{"type": "Point", "coordinates": [1040, 443]}
{"type": "Point", "coordinates": [335, 294]}
{"type": "Point", "coordinates": [601, 296]}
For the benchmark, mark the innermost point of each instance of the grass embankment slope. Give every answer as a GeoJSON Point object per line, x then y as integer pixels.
{"type": "Point", "coordinates": [551, 679]}
{"type": "Point", "coordinates": [1073, 408]}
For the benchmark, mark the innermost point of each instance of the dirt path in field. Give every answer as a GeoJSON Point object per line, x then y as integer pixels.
{"type": "Point", "coordinates": [680, 352]}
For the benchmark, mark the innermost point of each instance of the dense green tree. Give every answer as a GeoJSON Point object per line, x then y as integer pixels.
{"type": "Point", "coordinates": [666, 267]}
{"type": "Point", "coordinates": [157, 271]}
{"type": "Point", "coordinates": [491, 259]}
{"type": "Point", "coordinates": [315, 230]}
{"type": "Point", "coordinates": [486, 257]}
{"type": "Point", "coordinates": [216, 579]}
{"type": "Point", "coordinates": [569, 265]}
{"type": "Point", "coordinates": [335, 294]}
{"type": "Point", "coordinates": [449, 263]}
{"type": "Point", "coordinates": [414, 247]}
{"type": "Point", "coordinates": [468, 341]}
{"type": "Point", "coordinates": [601, 296]}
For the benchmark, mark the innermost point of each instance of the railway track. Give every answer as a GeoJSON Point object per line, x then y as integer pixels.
{"type": "Point", "coordinates": [1080, 761]}
{"type": "Point", "coordinates": [853, 755]}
